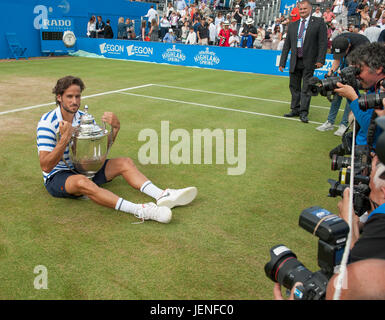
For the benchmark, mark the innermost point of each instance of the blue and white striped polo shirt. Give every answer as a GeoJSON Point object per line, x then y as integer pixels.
{"type": "Point", "coordinates": [47, 129]}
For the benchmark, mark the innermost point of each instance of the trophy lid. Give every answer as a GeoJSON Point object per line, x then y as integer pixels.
{"type": "Point", "coordinates": [88, 127]}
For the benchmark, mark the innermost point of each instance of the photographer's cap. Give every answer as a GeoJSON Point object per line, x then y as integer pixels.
{"type": "Point", "coordinates": [339, 46]}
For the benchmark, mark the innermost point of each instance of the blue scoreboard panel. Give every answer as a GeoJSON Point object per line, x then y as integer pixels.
{"type": "Point", "coordinates": [51, 35]}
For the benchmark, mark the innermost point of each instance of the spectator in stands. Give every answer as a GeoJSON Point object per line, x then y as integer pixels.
{"type": "Point", "coordinates": [185, 31]}
{"type": "Point", "coordinates": [328, 16]}
{"type": "Point", "coordinates": [212, 32]}
{"type": "Point", "coordinates": [108, 33]}
{"type": "Point", "coordinates": [191, 37]}
{"type": "Point", "coordinates": [365, 18]}
{"type": "Point", "coordinates": [352, 11]}
{"type": "Point", "coordinates": [169, 9]}
{"type": "Point", "coordinates": [317, 12]}
{"type": "Point", "coordinates": [294, 14]}
{"type": "Point", "coordinates": [233, 25]}
{"type": "Point", "coordinates": [376, 11]}
{"type": "Point", "coordinates": [237, 15]}
{"type": "Point", "coordinates": [267, 41]}
{"type": "Point", "coordinates": [234, 40]}
{"type": "Point", "coordinates": [205, 10]}
{"type": "Point", "coordinates": [351, 27]}
{"type": "Point", "coordinates": [203, 33]}
{"type": "Point", "coordinates": [143, 35]}
{"type": "Point", "coordinates": [373, 31]}
{"type": "Point", "coordinates": [91, 27]}
{"type": "Point", "coordinates": [257, 44]}
{"type": "Point", "coordinates": [279, 24]}
{"type": "Point", "coordinates": [130, 29]}
{"type": "Point", "coordinates": [100, 27]}
{"type": "Point", "coordinates": [152, 14]}
{"type": "Point", "coordinates": [249, 34]}
{"type": "Point", "coordinates": [276, 37]}
{"type": "Point", "coordinates": [180, 6]}
{"type": "Point", "coordinates": [164, 26]}
{"type": "Point", "coordinates": [154, 31]}
{"type": "Point", "coordinates": [219, 18]}
{"type": "Point", "coordinates": [338, 7]}
{"type": "Point", "coordinates": [169, 37]}
{"type": "Point", "coordinates": [122, 29]}
{"type": "Point", "coordinates": [381, 21]}
{"type": "Point", "coordinates": [251, 4]}
{"type": "Point", "coordinates": [362, 29]}
{"type": "Point", "coordinates": [224, 35]}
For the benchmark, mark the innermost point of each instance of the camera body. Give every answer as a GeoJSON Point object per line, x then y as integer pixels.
{"type": "Point", "coordinates": [284, 267]}
{"type": "Point", "coordinates": [327, 86]}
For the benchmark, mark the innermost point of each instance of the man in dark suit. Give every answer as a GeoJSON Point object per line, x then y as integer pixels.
{"type": "Point", "coordinates": [307, 41]}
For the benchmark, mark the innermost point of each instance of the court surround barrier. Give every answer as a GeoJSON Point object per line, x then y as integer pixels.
{"type": "Point", "coordinates": [212, 57]}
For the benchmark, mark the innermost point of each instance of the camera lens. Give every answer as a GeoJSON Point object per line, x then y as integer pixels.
{"type": "Point", "coordinates": [284, 267]}
{"type": "Point", "coordinates": [371, 101]}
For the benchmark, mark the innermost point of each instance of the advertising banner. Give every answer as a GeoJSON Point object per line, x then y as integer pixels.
{"type": "Point", "coordinates": [213, 57]}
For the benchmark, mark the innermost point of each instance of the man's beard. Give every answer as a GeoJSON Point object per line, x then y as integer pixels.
{"type": "Point", "coordinates": [68, 110]}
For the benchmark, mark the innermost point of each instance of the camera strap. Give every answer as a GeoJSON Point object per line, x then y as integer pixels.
{"type": "Point", "coordinates": [320, 221]}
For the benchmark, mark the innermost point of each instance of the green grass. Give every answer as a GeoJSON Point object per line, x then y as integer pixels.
{"type": "Point", "coordinates": [215, 248]}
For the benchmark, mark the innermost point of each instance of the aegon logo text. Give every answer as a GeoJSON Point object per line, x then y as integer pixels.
{"type": "Point", "coordinates": [111, 48]}
{"type": "Point", "coordinates": [139, 51]}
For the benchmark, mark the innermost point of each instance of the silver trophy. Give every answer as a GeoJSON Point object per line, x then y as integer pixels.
{"type": "Point", "coordinates": [89, 146]}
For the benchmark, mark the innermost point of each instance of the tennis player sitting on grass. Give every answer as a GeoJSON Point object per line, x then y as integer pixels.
{"type": "Point", "coordinates": [60, 181]}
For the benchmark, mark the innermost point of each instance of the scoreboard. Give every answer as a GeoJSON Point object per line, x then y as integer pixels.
{"type": "Point", "coordinates": [51, 35]}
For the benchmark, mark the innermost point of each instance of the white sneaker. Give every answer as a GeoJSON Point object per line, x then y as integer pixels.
{"type": "Point", "coordinates": [341, 130]}
{"type": "Point", "coordinates": [150, 211]}
{"type": "Point", "coordinates": [327, 126]}
{"type": "Point", "coordinates": [177, 197]}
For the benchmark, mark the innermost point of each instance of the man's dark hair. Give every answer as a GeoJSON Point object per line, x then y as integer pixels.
{"type": "Point", "coordinates": [64, 83]}
{"type": "Point", "coordinates": [372, 55]}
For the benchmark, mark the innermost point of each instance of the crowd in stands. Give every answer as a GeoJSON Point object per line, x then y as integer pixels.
{"type": "Point", "coordinates": [203, 23]}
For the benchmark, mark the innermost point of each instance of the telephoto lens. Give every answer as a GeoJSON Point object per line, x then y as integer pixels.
{"type": "Point", "coordinates": [371, 101]}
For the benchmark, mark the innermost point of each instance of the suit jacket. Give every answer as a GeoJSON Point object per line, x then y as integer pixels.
{"type": "Point", "coordinates": [314, 47]}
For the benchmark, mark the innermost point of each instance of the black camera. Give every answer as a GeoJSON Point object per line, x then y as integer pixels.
{"type": "Point", "coordinates": [371, 101]}
{"type": "Point", "coordinates": [285, 269]}
{"type": "Point", "coordinates": [361, 203]}
{"type": "Point", "coordinates": [345, 147]}
{"type": "Point", "coordinates": [327, 86]}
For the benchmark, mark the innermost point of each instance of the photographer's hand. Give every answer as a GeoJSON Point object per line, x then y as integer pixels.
{"type": "Point", "coordinates": [281, 68]}
{"type": "Point", "coordinates": [318, 65]}
{"type": "Point", "coordinates": [346, 91]}
{"type": "Point", "coordinates": [278, 294]}
{"type": "Point", "coordinates": [343, 207]}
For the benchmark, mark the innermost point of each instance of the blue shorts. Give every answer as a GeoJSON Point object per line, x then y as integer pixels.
{"type": "Point", "coordinates": [55, 184]}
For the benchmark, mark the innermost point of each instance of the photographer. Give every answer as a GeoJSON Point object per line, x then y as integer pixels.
{"type": "Point", "coordinates": [342, 46]}
{"type": "Point", "coordinates": [370, 243]}
{"type": "Point", "coordinates": [370, 59]}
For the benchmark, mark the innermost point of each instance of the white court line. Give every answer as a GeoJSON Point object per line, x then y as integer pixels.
{"type": "Point", "coordinates": [85, 97]}
{"type": "Point", "coordinates": [236, 95]}
{"type": "Point", "coordinates": [213, 107]}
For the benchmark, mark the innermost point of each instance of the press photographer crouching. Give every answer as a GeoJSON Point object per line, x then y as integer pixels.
{"type": "Point", "coordinates": [342, 46]}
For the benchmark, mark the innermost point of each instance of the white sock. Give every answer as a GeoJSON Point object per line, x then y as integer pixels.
{"type": "Point", "coordinates": [151, 190]}
{"type": "Point", "coordinates": [127, 206]}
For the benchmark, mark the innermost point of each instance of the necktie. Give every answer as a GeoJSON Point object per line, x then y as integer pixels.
{"type": "Point", "coordinates": [300, 35]}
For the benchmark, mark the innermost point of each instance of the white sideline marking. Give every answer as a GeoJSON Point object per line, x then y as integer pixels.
{"type": "Point", "coordinates": [236, 95]}
{"type": "Point", "coordinates": [85, 97]}
{"type": "Point", "coordinates": [213, 107]}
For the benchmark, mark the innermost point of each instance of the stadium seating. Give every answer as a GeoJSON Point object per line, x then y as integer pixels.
{"type": "Point", "coordinates": [15, 47]}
